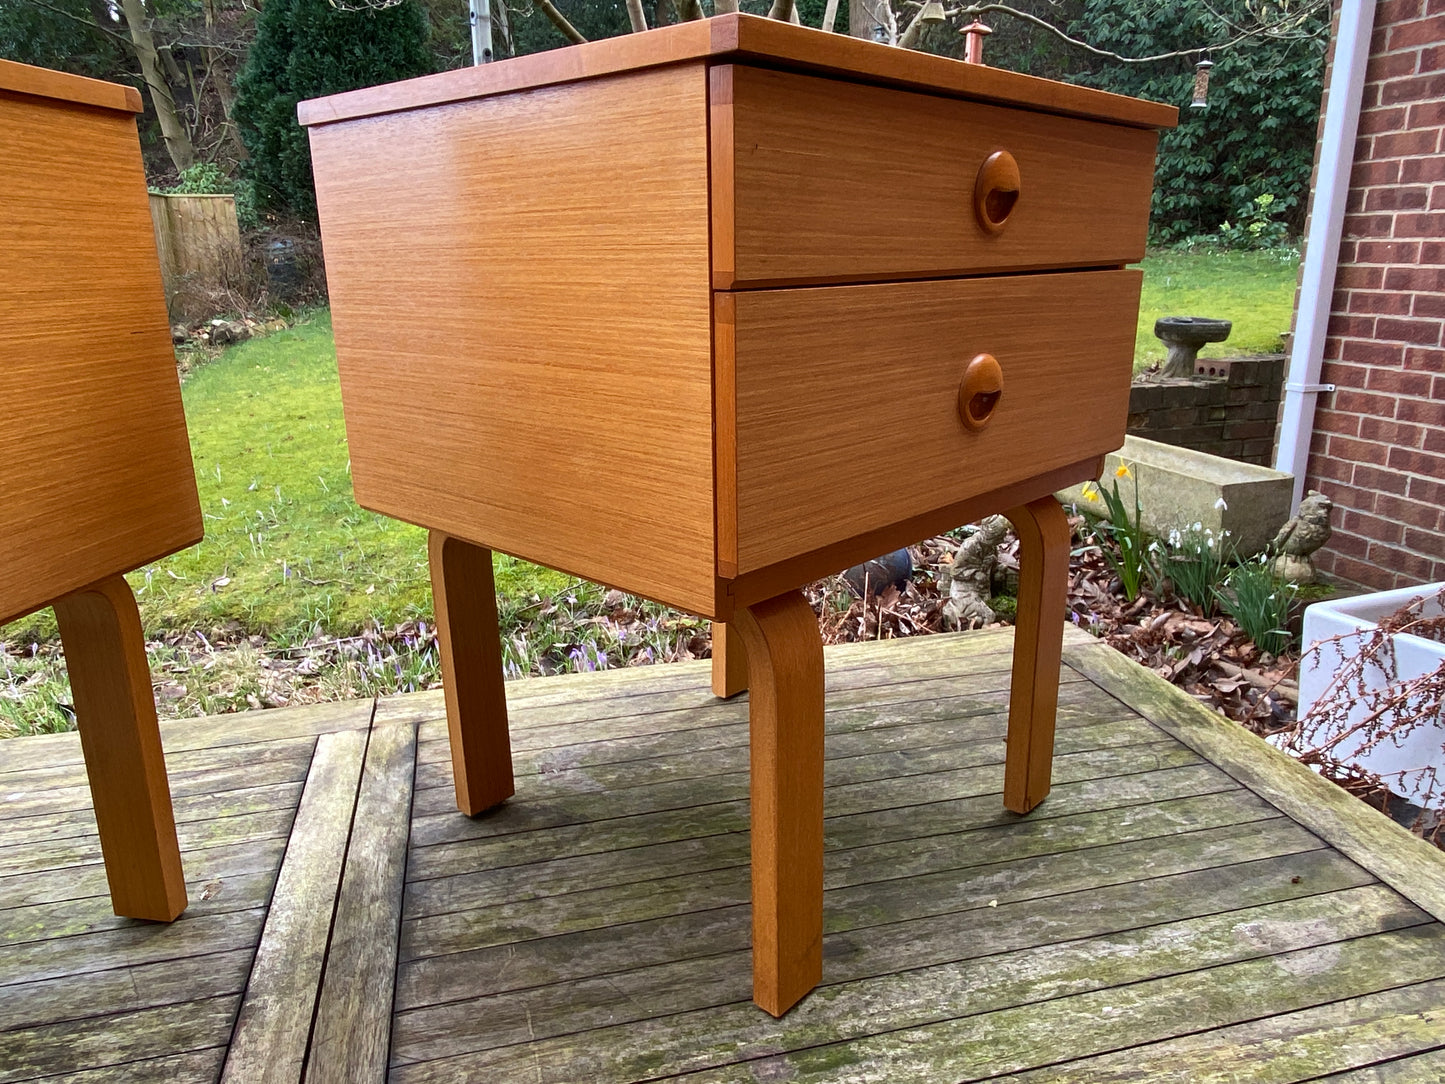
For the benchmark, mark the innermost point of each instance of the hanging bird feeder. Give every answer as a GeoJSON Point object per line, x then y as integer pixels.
{"type": "Point", "coordinates": [932, 13]}
{"type": "Point", "coordinates": [973, 35]}
{"type": "Point", "coordinates": [1201, 83]}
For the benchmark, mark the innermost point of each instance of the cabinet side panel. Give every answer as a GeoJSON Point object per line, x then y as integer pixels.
{"type": "Point", "coordinates": [519, 289]}
{"type": "Point", "coordinates": [98, 476]}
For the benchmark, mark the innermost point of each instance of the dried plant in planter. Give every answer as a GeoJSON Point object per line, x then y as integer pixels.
{"type": "Point", "coordinates": [1368, 705]}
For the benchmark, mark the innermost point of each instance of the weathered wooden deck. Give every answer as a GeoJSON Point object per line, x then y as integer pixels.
{"type": "Point", "coordinates": [1187, 905]}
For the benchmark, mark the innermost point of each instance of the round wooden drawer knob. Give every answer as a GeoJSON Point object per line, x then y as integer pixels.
{"type": "Point", "coordinates": [996, 192]}
{"type": "Point", "coordinates": [980, 391]}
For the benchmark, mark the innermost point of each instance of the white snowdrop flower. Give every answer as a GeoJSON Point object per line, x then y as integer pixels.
{"type": "Point", "coordinates": [1221, 505]}
{"type": "Point", "coordinates": [1198, 526]}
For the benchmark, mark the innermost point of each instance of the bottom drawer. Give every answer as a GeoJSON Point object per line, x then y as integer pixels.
{"type": "Point", "coordinates": [847, 411]}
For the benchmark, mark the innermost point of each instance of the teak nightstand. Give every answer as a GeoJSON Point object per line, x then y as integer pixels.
{"type": "Point", "coordinates": [99, 478]}
{"type": "Point", "coordinates": [713, 311]}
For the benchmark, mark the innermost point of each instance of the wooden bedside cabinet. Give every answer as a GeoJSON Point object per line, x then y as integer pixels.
{"type": "Point", "coordinates": [98, 478]}
{"type": "Point", "coordinates": [713, 311]}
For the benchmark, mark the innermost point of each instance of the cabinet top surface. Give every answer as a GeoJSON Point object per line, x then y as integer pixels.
{"type": "Point", "coordinates": [44, 83]}
{"type": "Point", "coordinates": [743, 39]}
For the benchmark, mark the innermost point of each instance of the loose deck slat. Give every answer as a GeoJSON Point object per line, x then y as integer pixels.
{"type": "Point", "coordinates": [274, 1021]}
{"type": "Point", "coordinates": [350, 1039]}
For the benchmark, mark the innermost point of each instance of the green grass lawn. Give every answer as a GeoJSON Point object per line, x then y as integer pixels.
{"type": "Point", "coordinates": [1253, 289]}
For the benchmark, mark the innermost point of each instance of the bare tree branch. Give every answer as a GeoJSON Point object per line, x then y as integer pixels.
{"type": "Point", "coordinates": [830, 16]}
{"type": "Point", "coordinates": [636, 16]}
{"type": "Point", "coordinates": [570, 32]}
{"type": "Point", "coordinates": [781, 10]}
{"type": "Point", "coordinates": [1294, 19]}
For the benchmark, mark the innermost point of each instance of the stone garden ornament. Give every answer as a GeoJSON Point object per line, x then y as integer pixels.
{"type": "Point", "coordinates": [1300, 537]}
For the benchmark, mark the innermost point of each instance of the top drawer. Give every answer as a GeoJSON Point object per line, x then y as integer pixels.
{"type": "Point", "coordinates": [816, 180]}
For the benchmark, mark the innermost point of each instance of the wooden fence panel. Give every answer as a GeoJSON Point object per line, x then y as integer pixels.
{"type": "Point", "coordinates": [199, 243]}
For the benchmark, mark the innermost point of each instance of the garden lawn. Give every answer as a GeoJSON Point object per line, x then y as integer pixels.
{"type": "Point", "coordinates": [1253, 289]}
{"type": "Point", "coordinates": [288, 554]}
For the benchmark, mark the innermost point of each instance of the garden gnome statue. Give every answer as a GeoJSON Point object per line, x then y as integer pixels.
{"type": "Point", "coordinates": [1300, 537]}
{"type": "Point", "coordinates": [968, 578]}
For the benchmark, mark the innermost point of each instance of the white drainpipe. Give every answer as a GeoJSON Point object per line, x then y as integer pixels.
{"type": "Point", "coordinates": [1322, 248]}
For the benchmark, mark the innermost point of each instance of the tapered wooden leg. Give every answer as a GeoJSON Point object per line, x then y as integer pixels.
{"type": "Point", "coordinates": [465, 597]}
{"type": "Point", "coordinates": [785, 668]}
{"type": "Point", "coordinates": [1043, 532]}
{"type": "Point", "coordinates": [729, 662]}
{"type": "Point", "coordinates": [115, 711]}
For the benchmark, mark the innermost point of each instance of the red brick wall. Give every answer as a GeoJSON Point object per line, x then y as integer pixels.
{"type": "Point", "coordinates": [1379, 442]}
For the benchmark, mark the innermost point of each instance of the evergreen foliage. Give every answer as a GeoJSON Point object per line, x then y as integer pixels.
{"type": "Point", "coordinates": [307, 48]}
{"type": "Point", "coordinates": [1257, 135]}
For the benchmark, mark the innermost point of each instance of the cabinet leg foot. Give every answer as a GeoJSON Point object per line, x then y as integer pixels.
{"type": "Point", "coordinates": [1043, 532]}
{"type": "Point", "coordinates": [115, 711]}
{"type": "Point", "coordinates": [785, 668]}
{"type": "Point", "coordinates": [465, 598]}
{"type": "Point", "coordinates": [729, 662]}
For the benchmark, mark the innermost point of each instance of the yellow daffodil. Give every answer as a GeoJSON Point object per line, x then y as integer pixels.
{"type": "Point", "coordinates": [1091, 492]}
{"type": "Point", "coordinates": [1122, 471]}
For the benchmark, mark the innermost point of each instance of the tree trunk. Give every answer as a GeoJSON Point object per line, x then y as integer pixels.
{"type": "Point", "coordinates": [866, 16]}
{"type": "Point", "coordinates": [503, 24]}
{"type": "Point", "coordinates": [173, 129]}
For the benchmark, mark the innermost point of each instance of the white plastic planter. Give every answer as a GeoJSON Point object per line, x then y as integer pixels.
{"type": "Point", "coordinates": [1414, 656]}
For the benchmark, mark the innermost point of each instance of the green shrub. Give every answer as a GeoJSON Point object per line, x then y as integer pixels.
{"type": "Point", "coordinates": [1256, 227]}
{"type": "Point", "coordinates": [207, 178]}
{"type": "Point", "coordinates": [304, 49]}
{"type": "Point", "coordinates": [1257, 134]}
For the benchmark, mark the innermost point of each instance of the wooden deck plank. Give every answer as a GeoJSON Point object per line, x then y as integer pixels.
{"type": "Point", "coordinates": [195, 807]}
{"type": "Point", "coordinates": [69, 918]}
{"type": "Point", "coordinates": [212, 732]}
{"type": "Point", "coordinates": [1425, 1068]}
{"type": "Point", "coordinates": [273, 1025]}
{"type": "Point", "coordinates": [960, 844]}
{"type": "Point", "coordinates": [129, 946]}
{"type": "Point", "coordinates": [124, 989]}
{"type": "Point", "coordinates": [1281, 1049]}
{"type": "Point", "coordinates": [351, 1037]}
{"type": "Point", "coordinates": [852, 786]}
{"type": "Point", "coordinates": [1005, 1009]}
{"type": "Point", "coordinates": [526, 694]}
{"type": "Point", "coordinates": [855, 904]}
{"type": "Point", "coordinates": [85, 881]}
{"type": "Point", "coordinates": [698, 753]}
{"type": "Point", "coordinates": [197, 1067]}
{"type": "Point", "coordinates": [40, 801]}
{"type": "Point", "coordinates": [193, 836]}
{"type": "Point", "coordinates": [976, 1047]}
{"type": "Point", "coordinates": [694, 708]}
{"type": "Point", "coordinates": [1407, 863]}
{"type": "Point", "coordinates": [717, 939]}
{"type": "Point", "coordinates": [892, 822]}
{"type": "Point", "coordinates": [117, 1039]}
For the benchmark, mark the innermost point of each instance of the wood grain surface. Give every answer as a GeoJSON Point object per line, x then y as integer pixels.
{"type": "Point", "coordinates": [1044, 535]}
{"type": "Point", "coordinates": [785, 722]}
{"type": "Point", "coordinates": [519, 290]}
{"type": "Point", "coordinates": [465, 598]}
{"type": "Point", "coordinates": [115, 712]}
{"type": "Point", "coordinates": [746, 38]}
{"type": "Point", "coordinates": [847, 416]}
{"type": "Point", "coordinates": [729, 662]}
{"type": "Point", "coordinates": [804, 162]}
{"type": "Point", "coordinates": [75, 89]}
{"type": "Point", "coordinates": [99, 478]}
